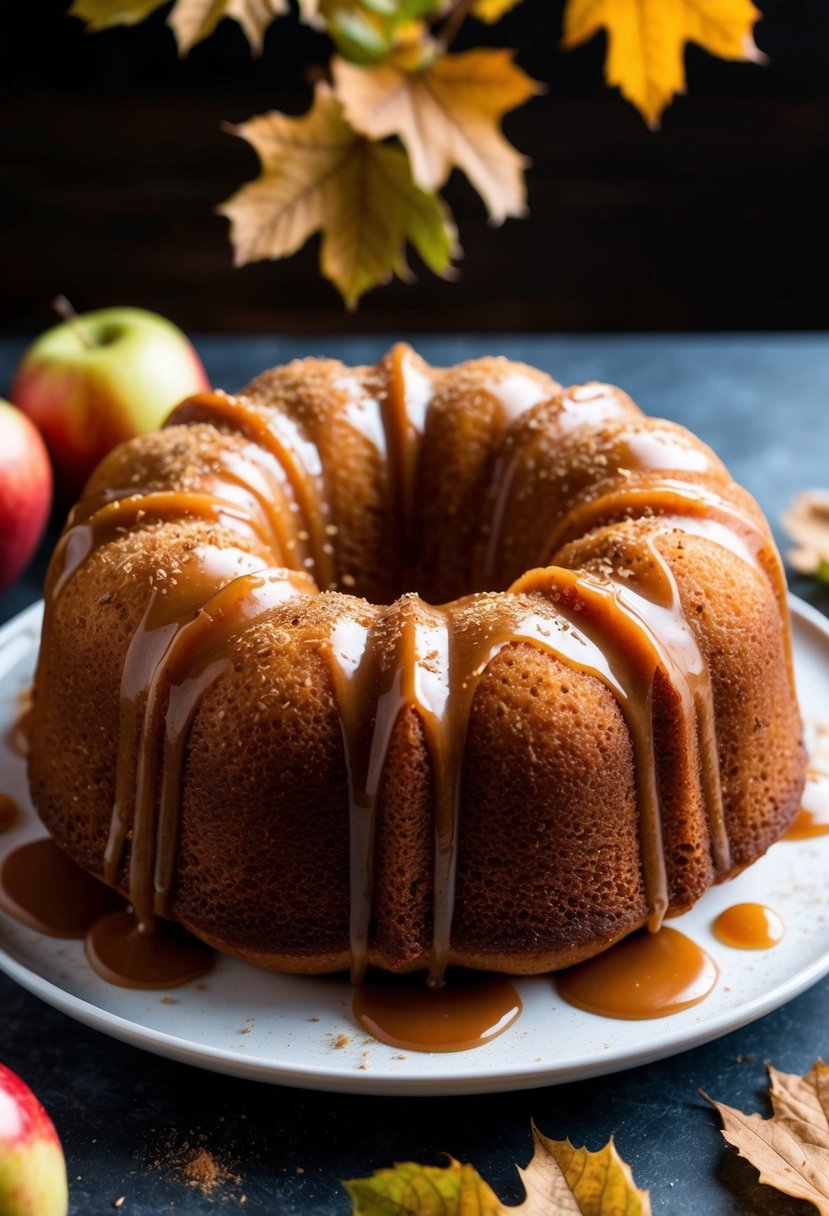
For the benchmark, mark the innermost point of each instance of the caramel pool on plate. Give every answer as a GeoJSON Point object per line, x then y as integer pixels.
{"type": "Point", "coordinates": [467, 1011]}
{"type": "Point", "coordinates": [648, 975]}
{"type": "Point", "coordinates": [813, 817]}
{"type": "Point", "coordinates": [749, 927]}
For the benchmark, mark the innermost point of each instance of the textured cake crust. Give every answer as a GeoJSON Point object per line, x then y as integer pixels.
{"type": "Point", "coordinates": [549, 860]}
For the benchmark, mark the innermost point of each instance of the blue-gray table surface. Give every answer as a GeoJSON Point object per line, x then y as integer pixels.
{"type": "Point", "coordinates": [762, 402]}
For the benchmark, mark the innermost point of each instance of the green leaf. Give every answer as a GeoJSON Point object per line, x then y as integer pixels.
{"type": "Point", "coordinates": [104, 14]}
{"type": "Point", "coordinates": [365, 31]}
{"type": "Point", "coordinates": [423, 1190]}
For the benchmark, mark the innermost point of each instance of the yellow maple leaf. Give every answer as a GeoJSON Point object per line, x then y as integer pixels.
{"type": "Point", "coordinates": [191, 20]}
{"type": "Point", "coordinates": [559, 1181]}
{"type": "Point", "coordinates": [318, 174]}
{"type": "Point", "coordinates": [791, 1149]}
{"type": "Point", "coordinates": [492, 10]}
{"type": "Point", "coordinates": [447, 114]}
{"type": "Point", "coordinates": [646, 41]}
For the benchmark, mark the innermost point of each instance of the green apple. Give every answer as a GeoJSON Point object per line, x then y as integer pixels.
{"type": "Point", "coordinates": [25, 493]}
{"type": "Point", "coordinates": [95, 380]}
{"type": "Point", "coordinates": [32, 1168]}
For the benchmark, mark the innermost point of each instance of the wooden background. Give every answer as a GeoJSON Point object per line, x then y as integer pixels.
{"type": "Point", "coordinates": [113, 161]}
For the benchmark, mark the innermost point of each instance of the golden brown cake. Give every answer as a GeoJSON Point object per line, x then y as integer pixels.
{"type": "Point", "coordinates": [412, 667]}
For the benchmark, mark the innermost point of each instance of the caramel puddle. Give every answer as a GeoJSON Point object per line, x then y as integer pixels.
{"type": "Point", "coordinates": [9, 813]}
{"type": "Point", "coordinates": [648, 975]}
{"type": "Point", "coordinates": [124, 953]}
{"type": "Point", "coordinates": [813, 817]}
{"type": "Point", "coordinates": [469, 1011]}
{"type": "Point", "coordinates": [43, 888]}
{"type": "Point", "coordinates": [749, 927]}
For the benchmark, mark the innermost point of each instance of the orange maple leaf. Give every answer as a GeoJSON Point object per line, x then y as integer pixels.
{"type": "Point", "coordinates": [447, 114]}
{"type": "Point", "coordinates": [646, 41]}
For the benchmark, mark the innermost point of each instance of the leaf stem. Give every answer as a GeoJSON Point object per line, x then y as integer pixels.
{"type": "Point", "coordinates": [67, 313]}
{"type": "Point", "coordinates": [452, 24]}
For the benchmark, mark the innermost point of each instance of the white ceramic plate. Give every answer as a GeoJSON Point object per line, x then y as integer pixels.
{"type": "Point", "coordinates": [283, 1029]}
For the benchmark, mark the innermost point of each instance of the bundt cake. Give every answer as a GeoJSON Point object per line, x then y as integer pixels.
{"type": "Point", "coordinates": [410, 667]}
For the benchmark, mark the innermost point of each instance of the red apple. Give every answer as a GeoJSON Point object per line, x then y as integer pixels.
{"type": "Point", "coordinates": [32, 1168]}
{"type": "Point", "coordinates": [98, 379]}
{"type": "Point", "coordinates": [25, 491]}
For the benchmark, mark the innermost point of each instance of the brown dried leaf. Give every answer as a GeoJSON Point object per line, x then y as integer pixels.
{"type": "Point", "coordinates": [193, 20]}
{"type": "Point", "coordinates": [791, 1149]}
{"type": "Point", "coordinates": [559, 1181]}
{"type": "Point", "coordinates": [592, 1184]}
{"type": "Point", "coordinates": [318, 174]}
{"type": "Point", "coordinates": [447, 113]}
{"type": "Point", "coordinates": [807, 522]}
{"type": "Point", "coordinates": [646, 42]}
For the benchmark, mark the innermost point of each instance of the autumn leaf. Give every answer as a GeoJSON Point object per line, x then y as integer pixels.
{"type": "Point", "coordinates": [191, 20]}
{"type": "Point", "coordinates": [103, 14]}
{"type": "Point", "coordinates": [791, 1149]}
{"type": "Point", "coordinates": [807, 522]}
{"type": "Point", "coordinates": [646, 41]}
{"type": "Point", "coordinates": [368, 30]}
{"type": "Point", "coordinates": [318, 174]}
{"type": "Point", "coordinates": [559, 1181]}
{"type": "Point", "coordinates": [446, 114]}
{"type": "Point", "coordinates": [492, 10]}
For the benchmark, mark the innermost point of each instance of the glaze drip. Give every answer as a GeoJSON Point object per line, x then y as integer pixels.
{"type": "Point", "coordinates": [296, 464]}
{"type": "Point", "coordinates": [627, 628]}
{"type": "Point", "coordinates": [186, 654]}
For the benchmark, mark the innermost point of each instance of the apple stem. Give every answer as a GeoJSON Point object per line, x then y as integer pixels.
{"type": "Point", "coordinates": [67, 313]}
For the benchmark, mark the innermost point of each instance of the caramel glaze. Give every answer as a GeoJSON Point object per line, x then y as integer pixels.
{"type": "Point", "coordinates": [122, 952]}
{"type": "Point", "coordinates": [648, 975]}
{"type": "Point", "coordinates": [813, 817]}
{"type": "Point", "coordinates": [18, 735]}
{"type": "Point", "coordinates": [9, 812]}
{"type": "Point", "coordinates": [469, 1011]}
{"type": "Point", "coordinates": [748, 927]}
{"type": "Point", "coordinates": [41, 887]}
{"type": "Point", "coordinates": [621, 629]}
{"type": "Point", "coordinates": [44, 889]}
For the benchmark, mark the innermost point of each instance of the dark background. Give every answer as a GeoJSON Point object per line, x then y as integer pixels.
{"type": "Point", "coordinates": [113, 161]}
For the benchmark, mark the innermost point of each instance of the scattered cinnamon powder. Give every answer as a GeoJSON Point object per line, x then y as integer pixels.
{"type": "Point", "coordinates": [205, 1172]}
{"type": "Point", "coordinates": [196, 1167]}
